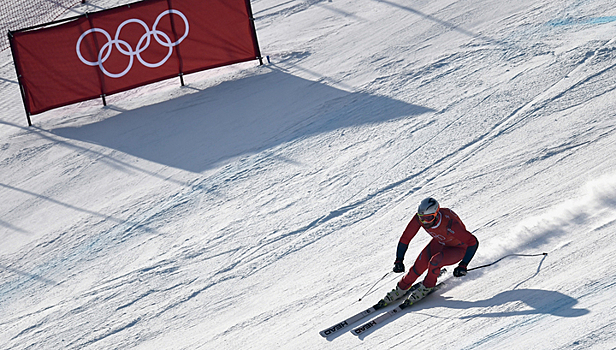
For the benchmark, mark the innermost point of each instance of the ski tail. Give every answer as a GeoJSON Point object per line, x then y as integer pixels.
{"type": "Point", "coordinates": [349, 321]}
{"type": "Point", "coordinates": [395, 311]}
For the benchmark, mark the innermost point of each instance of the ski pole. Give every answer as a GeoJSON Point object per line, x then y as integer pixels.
{"type": "Point", "coordinates": [377, 282]}
{"type": "Point", "coordinates": [508, 255]}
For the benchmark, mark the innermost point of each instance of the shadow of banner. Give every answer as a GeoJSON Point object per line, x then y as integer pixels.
{"type": "Point", "coordinates": [196, 131]}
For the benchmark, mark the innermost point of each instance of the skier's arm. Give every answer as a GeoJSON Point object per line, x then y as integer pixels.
{"type": "Point", "coordinates": [468, 256]}
{"type": "Point", "coordinates": [411, 230]}
{"type": "Point", "coordinates": [470, 253]}
{"type": "Point", "coordinates": [401, 251]}
{"type": "Point", "coordinates": [399, 264]}
{"type": "Point", "coordinates": [465, 237]}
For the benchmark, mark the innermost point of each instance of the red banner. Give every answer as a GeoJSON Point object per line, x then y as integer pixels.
{"type": "Point", "coordinates": [119, 49]}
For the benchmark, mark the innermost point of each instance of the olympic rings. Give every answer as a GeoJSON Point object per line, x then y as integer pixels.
{"type": "Point", "coordinates": [127, 50]}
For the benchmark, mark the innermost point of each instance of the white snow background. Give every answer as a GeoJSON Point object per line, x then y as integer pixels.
{"type": "Point", "coordinates": [253, 207]}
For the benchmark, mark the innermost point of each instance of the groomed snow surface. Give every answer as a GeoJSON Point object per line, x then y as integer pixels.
{"type": "Point", "coordinates": [253, 207]}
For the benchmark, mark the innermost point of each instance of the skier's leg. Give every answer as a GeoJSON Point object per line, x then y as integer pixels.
{"type": "Point", "coordinates": [421, 264]}
{"type": "Point", "coordinates": [447, 256]}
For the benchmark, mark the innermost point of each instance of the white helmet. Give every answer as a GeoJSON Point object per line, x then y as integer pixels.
{"type": "Point", "coordinates": [428, 210]}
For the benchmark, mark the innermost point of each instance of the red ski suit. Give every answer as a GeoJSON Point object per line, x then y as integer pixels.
{"type": "Point", "coordinates": [449, 245]}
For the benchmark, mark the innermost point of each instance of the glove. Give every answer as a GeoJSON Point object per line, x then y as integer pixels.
{"type": "Point", "coordinates": [460, 271]}
{"type": "Point", "coordinates": [398, 266]}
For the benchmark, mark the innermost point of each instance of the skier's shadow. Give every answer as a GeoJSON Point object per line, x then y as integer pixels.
{"type": "Point", "coordinates": [539, 301]}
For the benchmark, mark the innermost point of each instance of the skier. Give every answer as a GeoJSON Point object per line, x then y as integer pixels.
{"type": "Point", "coordinates": [451, 243]}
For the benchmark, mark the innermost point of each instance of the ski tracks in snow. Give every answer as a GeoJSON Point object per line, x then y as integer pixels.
{"type": "Point", "coordinates": [379, 195]}
{"type": "Point", "coordinates": [592, 67]}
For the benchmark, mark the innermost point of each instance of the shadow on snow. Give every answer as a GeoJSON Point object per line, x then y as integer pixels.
{"type": "Point", "coordinates": [540, 302]}
{"type": "Point", "coordinates": [195, 131]}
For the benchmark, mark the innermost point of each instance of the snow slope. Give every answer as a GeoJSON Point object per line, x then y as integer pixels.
{"type": "Point", "coordinates": [253, 207]}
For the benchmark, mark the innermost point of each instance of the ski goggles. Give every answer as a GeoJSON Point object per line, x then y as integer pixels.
{"type": "Point", "coordinates": [427, 218]}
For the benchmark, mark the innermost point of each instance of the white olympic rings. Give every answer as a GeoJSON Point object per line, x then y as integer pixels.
{"type": "Point", "coordinates": [126, 49]}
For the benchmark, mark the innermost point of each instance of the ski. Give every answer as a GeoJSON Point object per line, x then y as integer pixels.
{"type": "Point", "coordinates": [398, 309]}
{"type": "Point", "coordinates": [349, 321]}
{"type": "Point", "coordinates": [369, 311]}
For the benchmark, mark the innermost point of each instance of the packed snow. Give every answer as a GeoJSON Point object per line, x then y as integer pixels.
{"type": "Point", "coordinates": [254, 207]}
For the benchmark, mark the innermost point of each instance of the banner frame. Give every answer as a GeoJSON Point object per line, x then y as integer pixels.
{"type": "Point", "coordinates": [103, 93]}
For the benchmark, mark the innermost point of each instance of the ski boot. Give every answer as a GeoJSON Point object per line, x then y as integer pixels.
{"type": "Point", "coordinates": [395, 294]}
{"type": "Point", "coordinates": [418, 293]}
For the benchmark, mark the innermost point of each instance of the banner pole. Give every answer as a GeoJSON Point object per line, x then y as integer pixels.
{"type": "Point", "coordinates": [175, 37]}
{"type": "Point", "coordinates": [21, 87]}
{"type": "Point", "coordinates": [101, 78]}
{"type": "Point", "coordinates": [254, 32]}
